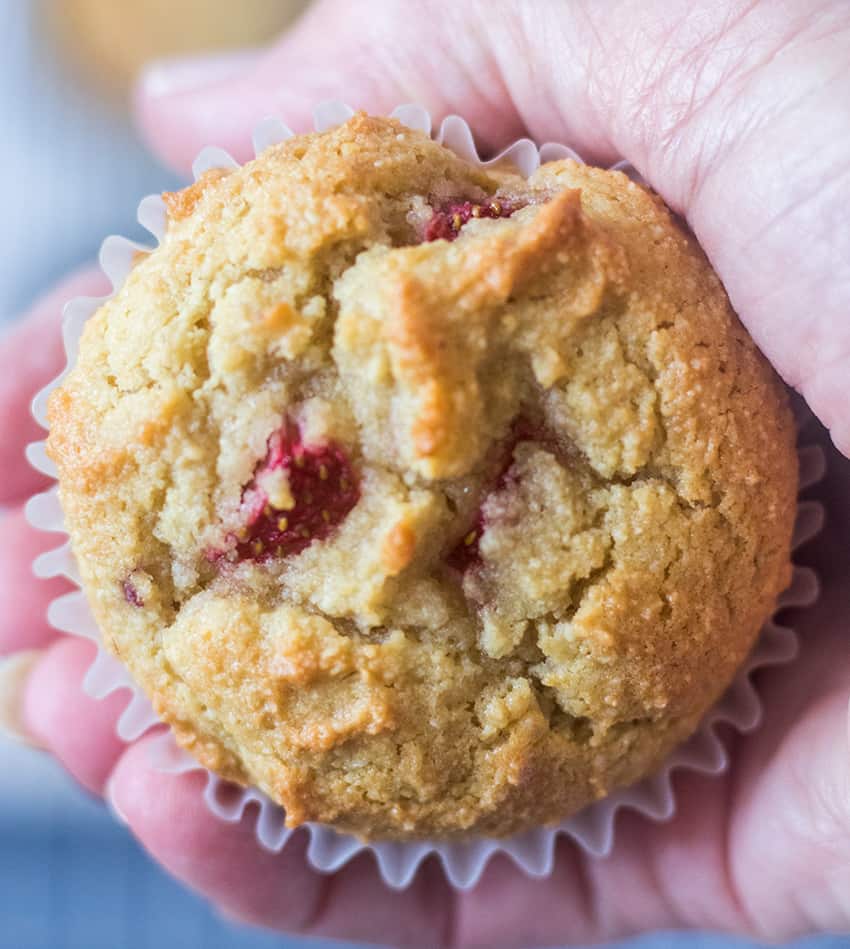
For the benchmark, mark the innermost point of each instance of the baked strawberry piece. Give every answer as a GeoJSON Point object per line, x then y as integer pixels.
{"type": "Point", "coordinates": [447, 221]}
{"type": "Point", "coordinates": [299, 493]}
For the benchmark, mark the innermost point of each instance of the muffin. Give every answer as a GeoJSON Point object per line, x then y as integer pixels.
{"type": "Point", "coordinates": [432, 500]}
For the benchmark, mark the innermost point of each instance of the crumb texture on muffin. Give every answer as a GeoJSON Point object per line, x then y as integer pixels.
{"type": "Point", "coordinates": [432, 500]}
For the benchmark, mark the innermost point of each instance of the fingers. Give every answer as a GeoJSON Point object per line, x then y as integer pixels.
{"type": "Point", "coordinates": [31, 354]}
{"type": "Point", "coordinates": [420, 916]}
{"type": "Point", "coordinates": [25, 598]}
{"type": "Point", "coordinates": [78, 730]}
{"type": "Point", "coordinates": [790, 832]}
{"type": "Point", "coordinates": [433, 53]}
{"type": "Point", "coordinates": [225, 863]}
{"type": "Point", "coordinates": [658, 876]}
{"type": "Point", "coordinates": [220, 860]}
{"type": "Point", "coordinates": [789, 838]}
{"type": "Point", "coordinates": [556, 910]}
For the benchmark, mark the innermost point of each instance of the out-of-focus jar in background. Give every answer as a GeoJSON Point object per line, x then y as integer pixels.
{"type": "Point", "coordinates": [72, 167]}
{"type": "Point", "coordinates": [109, 41]}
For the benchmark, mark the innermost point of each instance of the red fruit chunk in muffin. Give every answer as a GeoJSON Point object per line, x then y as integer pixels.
{"type": "Point", "coordinates": [447, 221]}
{"type": "Point", "coordinates": [465, 554]}
{"type": "Point", "coordinates": [131, 594]}
{"type": "Point", "coordinates": [299, 493]}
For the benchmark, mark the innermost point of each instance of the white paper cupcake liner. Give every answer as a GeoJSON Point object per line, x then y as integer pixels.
{"type": "Point", "coordinates": [593, 828]}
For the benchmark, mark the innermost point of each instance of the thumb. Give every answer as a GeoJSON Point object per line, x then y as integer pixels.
{"type": "Point", "coordinates": [426, 53]}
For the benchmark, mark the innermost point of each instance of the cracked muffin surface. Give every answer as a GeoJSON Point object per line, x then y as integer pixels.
{"type": "Point", "coordinates": [431, 500]}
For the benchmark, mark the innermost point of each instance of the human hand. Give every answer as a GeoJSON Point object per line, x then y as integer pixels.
{"type": "Point", "coordinates": [737, 115]}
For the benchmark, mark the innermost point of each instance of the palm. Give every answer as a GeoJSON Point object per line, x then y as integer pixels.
{"type": "Point", "coordinates": [765, 849]}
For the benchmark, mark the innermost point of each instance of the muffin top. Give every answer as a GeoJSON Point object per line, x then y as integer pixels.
{"type": "Point", "coordinates": [430, 499]}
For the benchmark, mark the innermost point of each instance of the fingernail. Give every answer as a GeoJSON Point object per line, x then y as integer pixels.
{"type": "Point", "coordinates": [14, 672]}
{"type": "Point", "coordinates": [111, 804]}
{"type": "Point", "coordinates": [165, 77]}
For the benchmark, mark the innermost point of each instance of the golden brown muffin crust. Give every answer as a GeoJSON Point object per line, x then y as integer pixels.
{"type": "Point", "coordinates": [558, 483]}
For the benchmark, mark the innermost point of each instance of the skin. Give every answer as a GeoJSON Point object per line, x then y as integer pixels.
{"type": "Point", "coordinates": [736, 113]}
